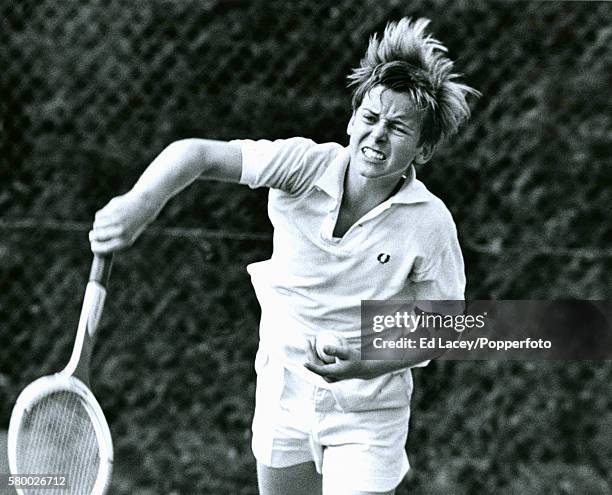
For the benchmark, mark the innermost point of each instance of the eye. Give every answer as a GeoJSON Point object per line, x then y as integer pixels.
{"type": "Point", "coordinates": [369, 118]}
{"type": "Point", "coordinates": [400, 130]}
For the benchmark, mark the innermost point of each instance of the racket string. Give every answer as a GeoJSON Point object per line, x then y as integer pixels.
{"type": "Point", "coordinates": [57, 437]}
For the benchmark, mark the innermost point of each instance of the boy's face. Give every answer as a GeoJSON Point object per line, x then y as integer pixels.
{"type": "Point", "coordinates": [384, 135]}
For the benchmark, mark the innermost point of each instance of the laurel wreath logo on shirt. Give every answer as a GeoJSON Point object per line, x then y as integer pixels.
{"type": "Point", "coordinates": [383, 258]}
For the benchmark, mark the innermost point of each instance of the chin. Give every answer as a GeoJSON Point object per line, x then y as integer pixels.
{"type": "Point", "coordinates": [371, 171]}
{"type": "Point", "coordinates": [368, 174]}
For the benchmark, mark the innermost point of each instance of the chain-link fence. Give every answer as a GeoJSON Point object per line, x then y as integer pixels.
{"type": "Point", "coordinates": [93, 90]}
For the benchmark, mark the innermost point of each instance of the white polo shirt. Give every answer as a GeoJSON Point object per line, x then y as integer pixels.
{"type": "Point", "coordinates": [405, 248]}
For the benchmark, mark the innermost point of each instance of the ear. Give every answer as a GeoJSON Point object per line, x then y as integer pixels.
{"type": "Point", "coordinates": [424, 153]}
{"type": "Point", "coordinates": [349, 127]}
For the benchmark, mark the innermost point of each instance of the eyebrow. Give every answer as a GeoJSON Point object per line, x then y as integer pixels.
{"type": "Point", "coordinates": [393, 120]}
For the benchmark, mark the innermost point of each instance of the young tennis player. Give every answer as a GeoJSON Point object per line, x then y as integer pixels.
{"type": "Point", "coordinates": [350, 224]}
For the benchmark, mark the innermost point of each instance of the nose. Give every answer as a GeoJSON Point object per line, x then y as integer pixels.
{"type": "Point", "coordinates": [379, 132]}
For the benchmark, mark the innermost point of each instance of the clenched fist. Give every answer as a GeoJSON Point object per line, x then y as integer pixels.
{"type": "Point", "coordinates": [121, 221]}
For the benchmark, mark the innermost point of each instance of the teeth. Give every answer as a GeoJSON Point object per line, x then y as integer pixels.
{"type": "Point", "coordinates": [372, 154]}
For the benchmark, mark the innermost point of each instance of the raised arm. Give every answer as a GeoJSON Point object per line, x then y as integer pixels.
{"type": "Point", "coordinates": [122, 220]}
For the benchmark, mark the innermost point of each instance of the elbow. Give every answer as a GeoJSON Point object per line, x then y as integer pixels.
{"type": "Point", "coordinates": [194, 153]}
{"type": "Point", "coordinates": [183, 147]}
{"type": "Point", "coordinates": [208, 158]}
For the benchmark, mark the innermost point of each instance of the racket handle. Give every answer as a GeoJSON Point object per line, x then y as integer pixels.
{"type": "Point", "coordinates": [91, 312]}
{"type": "Point", "coordinates": [101, 269]}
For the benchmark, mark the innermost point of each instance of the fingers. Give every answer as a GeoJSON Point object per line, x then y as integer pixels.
{"type": "Point", "coordinates": [315, 364]}
{"type": "Point", "coordinates": [116, 226]}
{"type": "Point", "coordinates": [323, 370]}
{"type": "Point", "coordinates": [101, 234]}
{"type": "Point", "coordinates": [339, 352]}
{"type": "Point", "coordinates": [108, 239]}
{"type": "Point", "coordinates": [311, 352]}
{"type": "Point", "coordinates": [329, 372]}
{"type": "Point", "coordinates": [108, 246]}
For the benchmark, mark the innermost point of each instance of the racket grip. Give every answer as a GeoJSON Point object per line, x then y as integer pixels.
{"type": "Point", "coordinates": [101, 269]}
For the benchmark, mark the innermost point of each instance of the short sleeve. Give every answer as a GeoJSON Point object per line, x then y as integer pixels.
{"type": "Point", "coordinates": [276, 164]}
{"type": "Point", "coordinates": [441, 277]}
{"type": "Point", "coordinates": [440, 287]}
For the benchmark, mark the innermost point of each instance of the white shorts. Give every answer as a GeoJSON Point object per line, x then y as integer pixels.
{"type": "Point", "coordinates": [296, 422]}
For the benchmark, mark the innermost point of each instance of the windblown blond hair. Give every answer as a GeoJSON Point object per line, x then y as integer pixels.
{"type": "Point", "coordinates": [408, 60]}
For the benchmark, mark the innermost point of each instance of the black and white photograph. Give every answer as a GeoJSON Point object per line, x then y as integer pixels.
{"type": "Point", "coordinates": [301, 247]}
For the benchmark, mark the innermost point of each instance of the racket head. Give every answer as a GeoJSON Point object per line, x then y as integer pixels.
{"type": "Point", "coordinates": [58, 428]}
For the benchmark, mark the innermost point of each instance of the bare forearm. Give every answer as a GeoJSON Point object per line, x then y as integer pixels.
{"type": "Point", "coordinates": [349, 364]}
{"type": "Point", "coordinates": [380, 367]}
{"type": "Point", "coordinates": [121, 221]}
{"type": "Point", "coordinates": [176, 167]}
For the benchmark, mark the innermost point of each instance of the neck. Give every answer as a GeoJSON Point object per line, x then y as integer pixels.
{"type": "Point", "coordinates": [369, 193]}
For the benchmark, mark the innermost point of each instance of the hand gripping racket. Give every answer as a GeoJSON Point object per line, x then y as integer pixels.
{"type": "Point", "coordinates": [57, 427]}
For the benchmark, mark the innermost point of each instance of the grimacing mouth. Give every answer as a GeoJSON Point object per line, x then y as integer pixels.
{"type": "Point", "coordinates": [371, 153]}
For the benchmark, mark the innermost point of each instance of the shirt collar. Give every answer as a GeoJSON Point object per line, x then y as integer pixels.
{"type": "Point", "coordinates": [331, 182]}
{"type": "Point", "coordinates": [332, 178]}
{"type": "Point", "coordinates": [412, 191]}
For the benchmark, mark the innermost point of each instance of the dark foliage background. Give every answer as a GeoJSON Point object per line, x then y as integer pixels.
{"type": "Point", "coordinates": [93, 90]}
